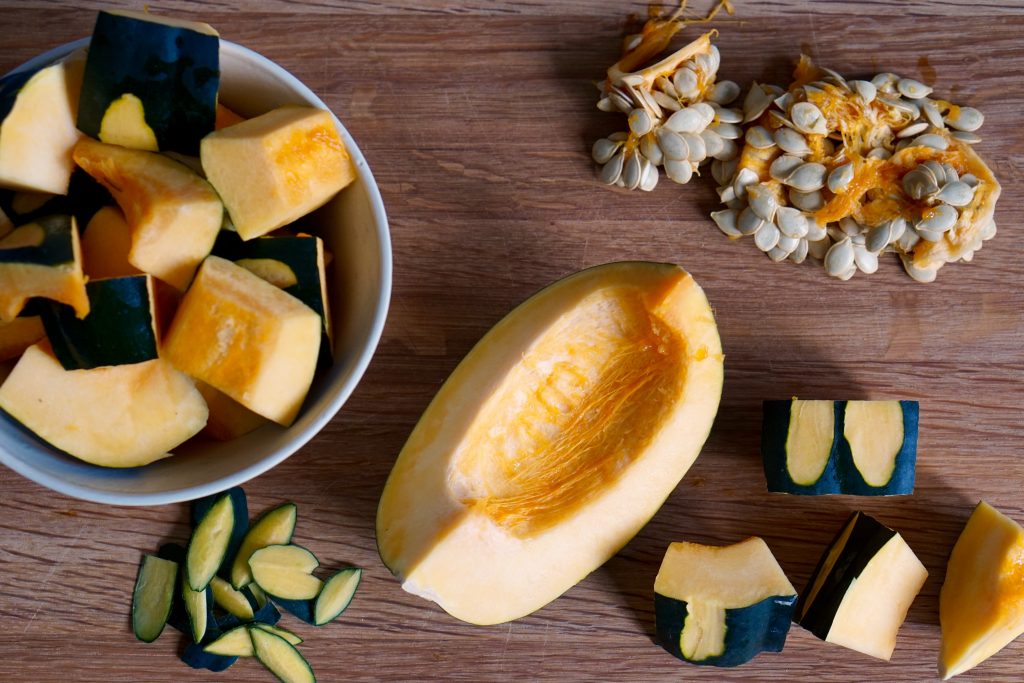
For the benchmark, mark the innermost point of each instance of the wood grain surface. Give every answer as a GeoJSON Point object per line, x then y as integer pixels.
{"type": "Point", "coordinates": [477, 119]}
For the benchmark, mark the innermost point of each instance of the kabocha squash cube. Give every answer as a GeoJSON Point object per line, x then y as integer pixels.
{"type": "Point", "coordinates": [554, 441]}
{"type": "Point", "coordinates": [981, 605]}
{"type": "Point", "coordinates": [174, 214]}
{"type": "Point", "coordinates": [722, 605]}
{"type": "Point", "coordinates": [150, 82]}
{"type": "Point", "coordinates": [37, 127]}
{"type": "Point", "coordinates": [19, 334]}
{"type": "Point", "coordinates": [866, 448]}
{"type": "Point", "coordinates": [246, 338]}
{"type": "Point", "coordinates": [121, 327]}
{"type": "Point", "coordinates": [276, 168]}
{"type": "Point", "coordinates": [42, 259]}
{"type": "Point", "coordinates": [859, 593]}
{"type": "Point", "coordinates": [106, 244]}
{"type": "Point", "coordinates": [118, 416]}
{"type": "Point", "coordinates": [228, 419]}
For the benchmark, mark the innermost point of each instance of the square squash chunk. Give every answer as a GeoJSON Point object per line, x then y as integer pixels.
{"type": "Point", "coordinates": [246, 338]}
{"type": "Point", "coordinates": [276, 168]}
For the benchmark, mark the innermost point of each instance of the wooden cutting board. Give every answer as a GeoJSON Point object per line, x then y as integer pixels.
{"type": "Point", "coordinates": [477, 120]}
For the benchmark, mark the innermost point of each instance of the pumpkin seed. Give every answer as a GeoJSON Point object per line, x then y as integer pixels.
{"type": "Point", "coordinates": [807, 177]}
{"type": "Point", "coordinates": [879, 237]}
{"type": "Point", "coordinates": [792, 142]}
{"type": "Point", "coordinates": [619, 136]}
{"type": "Point", "coordinates": [604, 149]}
{"type": "Point", "coordinates": [759, 137]}
{"type": "Point", "coordinates": [817, 249]}
{"type": "Point", "coordinates": [777, 254]}
{"type": "Point", "coordinates": [706, 111]}
{"type": "Point", "coordinates": [727, 114]}
{"type": "Point", "coordinates": [686, 83]}
{"type": "Point", "coordinates": [621, 101]}
{"type": "Point", "coordinates": [806, 201]}
{"type": "Point", "coordinates": [612, 170]}
{"type": "Point", "coordinates": [672, 144]}
{"type": "Point", "coordinates": [784, 101]}
{"type": "Point", "coordinates": [839, 257]}
{"type": "Point", "coordinates": [727, 193]}
{"type": "Point", "coordinates": [666, 101]}
{"type": "Point", "coordinates": [784, 166]}
{"type": "Point", "coordinates": [720, 169]}
{"type": "Point", "coordinates": [885, 81]}
{"type": "Point", "coordinates": [730, 150]}
{"type": "Point", "coordinates": [756, 102]}
{"type": "Point", "coordinates": [913, 129]}
{"type": "Point", "coordinates": [632, 172]}
{"type": "Point", "coordinates": [695, 144]}
{"type": "Point", "coordinates": [787, 243]}
{"type": "Point", "coordinates": [808, 119]}
{"type": "Point", "coordinates": [949, 172]}
{"type": "Point", "coordinates": [791, 222]}
{"type": "Point", "coordinates": [815, 232]}
{"type": "Point", "coordinates": [908, 240]}
{"type": "Point", "coordinates": [970, 179]}
{"type": "Point", "coordinates": [966, 137]}
{"type": "Point", "coordinates": [920, 274]}
{"type": "Point", "coordinates": [919, 183]}
{"type": "Point", "coordinates": [650, 149]}
{"type": "Point", "coordinates": [800, 253]}
{"type": "Point", "coordinates": [649, 177]}
{"type": "Point", "coordinates": [729, 131]}
{"type": "Point", "coordinates": [938, 220]}
{"type": "Point", "coordinates": [762, 201]}
{"type": "Point", "coordinates": [911, 89]}
{"type": "Point", "coordinates": [930, 140]}
{"type": "Point", "coordinates": [606, 104]}
{"type": "Point", "coordinates": [726, 222]}
{"type": "Point", "coordinates": [931, 112]}
{"type": "Point", "coordinates": [902, 105]}
{"type": "Point", "coordinates": [713, 144]}
{"type": "Point", "coordinates": [850, 227]}
{"type": "Point", "coordinates": [767, 237]}
{"type": "Point", "coordinates": [840, 178]}
{"type": "Point", "coordinates": [640, 122]}
{"type": "Point", "coordinates": [743, 178]}
{"type": "Point", "coordinates": [678, 170]}
{"type": "Point", "coordinates": [866, 261]}
{"type": "Point", "coordinates": [879, 153]}
{"type": "Point", "coordinates": [687, 120]}
{"type": "Point", "coordinates": [865, 89]}
{"type": "Point", "coordinates": [748, 222]}
{"type": "Point", "coordinates": [965, 118]}
{"type": "Point", "coordinates": [724, 92]}
{"type": "Point", "coordinates": [835, 77]}
{"type": "Point", "coordinates": [956, 193]}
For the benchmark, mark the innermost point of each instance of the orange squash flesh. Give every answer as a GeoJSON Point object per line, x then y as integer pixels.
{"type": "Point", "coordinates": [106, 243]}
{"type": "Point", "coordinates": [18, 335]}
{"type": "Point", "coordinates": [28, 267]}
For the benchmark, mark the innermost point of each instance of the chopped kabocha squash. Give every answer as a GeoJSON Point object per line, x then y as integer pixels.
{"type": "Point", "coordinates": [275, 168]}
{"type": "Point", "coordinates": [83, 199]}
{"type": "Point", "coordinates": [117, 416]}
{"type": "Point", "coordinates": [981, 605]}
{"type": "Point", "coordinates": [866, 448]}
{"type": "Point", "coordinates": [150, 82]}
{"type": "Point", "coordinates": [246, 338]}
{"type": "Point", "coordinates": [37, 126]}
{"type": "Point", "coordinates": [859, 593]}
{"type": "Point", "coordinates": [42, 259]}
{"type": "Point", "coordinates": [554, 441]}
{"type": "Point", "coordinates": [121, 327]}
{"type": "Point", "coordinates": [19, 334]}
{"type": "Point", "coordinates": [722, 605]}
{"type": "Point", "coordinates": [106, 243]}
{"type": "Point", "coordinates": [295, 263]}
{"type": "Point", "coordinates": [228, 418]}
{"type": "Point", "coordinates": [174, 214]}
{"type": "Point", "coordinates": [226, 117]}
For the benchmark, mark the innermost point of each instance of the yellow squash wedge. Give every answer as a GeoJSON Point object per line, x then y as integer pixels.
{"type": "Point", "coordinates": [554, 441]}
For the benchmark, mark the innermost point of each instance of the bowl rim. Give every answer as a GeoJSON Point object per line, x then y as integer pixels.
{"type": "Point", "coordinates": [359, 366]}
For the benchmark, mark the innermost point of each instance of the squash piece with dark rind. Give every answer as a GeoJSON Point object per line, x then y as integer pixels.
{"type": "Point", "coordinates": [981, 604]}
{"type": "Point", "coordinates": [554, 441]}
{"type": "Point", "coordinates": [150, 82]}
{"type": "Point", "coordinates": [285, 571]}
{"type": "Point", "coordinates": [280, 657]}
{"type": "Point", "coordinates": [273, 527]}
{"type": "Point", "coordinates": [174, 214]}
{"type": "Point", "coordinates": [153, 597]}
{"type": "Point", "coordinates": [722, 605]}
{"type": "Point", "coordinates": [859, 593]}
{"type": "Point", "coordinates": [106, 243]}
{"type": "Point", "coordinates": [208, 546]}
{"type": "Point", "coordinates": [42, 259]}
{"type": "Point", "coordinates": [336, 595]}
{"type": "Point", "coordinates": [115, 416]}
{"type": "Point", "coordinates": [246, 338]}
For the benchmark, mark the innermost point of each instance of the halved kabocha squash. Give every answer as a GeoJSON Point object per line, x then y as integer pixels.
{"type": "Point", "coordinates": [981, 605]}
{"type": "Point", "coordinates": [150, 82]}
{"type": "Point", "coordinates": [554, 441]}
{"type": "Point", "coordinates": [722, 605]}
{"type": "Point", "coordinates": [37, 126]}
{"type": "Point", "coordinates": [276, 168]}
{"type": "Point", "coordinates": [174, 214]}
{"type": "Point", "coordinates": [246, 338]}
{"type": "Point", "coordinates": [117, 416]}
{"type": "Point", "coordinates": [866, 448]}
{"type": "Point", "coordinates": [121, 327]}
{"type": "Point", "coordinates": [42, 259]}
{"type": "Point", "coordinates": [859, 593]}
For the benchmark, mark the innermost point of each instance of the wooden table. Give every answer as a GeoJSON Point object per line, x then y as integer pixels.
{"type": "Point", "coordinates": [477, 119]}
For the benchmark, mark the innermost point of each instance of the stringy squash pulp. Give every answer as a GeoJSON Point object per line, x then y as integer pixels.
{"type": "Point", "coordinates": [554, 441]}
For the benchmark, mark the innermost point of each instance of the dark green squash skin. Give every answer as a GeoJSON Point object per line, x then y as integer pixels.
{"type": "Point", "coordinates": [299, 254]}
{"type": "Point", "coordinates": [841, 475]}
{"type": "Point", "coordinates": [119, 330]}
{"type": "Point", "coordinates": [240, 506]}
{"type": "Point", "coordinates": [174, 71]}
{"type": "Point", "coordinates": [761, 627]}
{"type": "Point", "coordinates": [56, 248]}
{"type": "Point", "coordinates": [866, 539]}
{"type": "Point", "coordinates": [84, 198]}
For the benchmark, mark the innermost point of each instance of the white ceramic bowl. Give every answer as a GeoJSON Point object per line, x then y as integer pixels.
{"type": "Point", "coordinates": [355, 229]}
